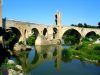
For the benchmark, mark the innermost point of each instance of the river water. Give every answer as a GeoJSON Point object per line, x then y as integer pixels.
{"type": "Point", "coordinates": [53, 60]}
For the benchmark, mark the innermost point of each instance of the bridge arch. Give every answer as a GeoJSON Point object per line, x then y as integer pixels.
{"type": "Point", "coordinates": [15, 31]}
{"type": "Point", "coordinates": [71, 36]}
{"type": "Point", "coordinates": [35, 32]}
{"type": "Point", "coordinates": [14, 34]}
{"type": "Point", "coordinates": [91, 34]}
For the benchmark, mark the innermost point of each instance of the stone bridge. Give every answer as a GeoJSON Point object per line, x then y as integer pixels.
{"type": "Point", "coordinates": [47, 32]}
{"type": "Point", "coordinates": [26, 29]}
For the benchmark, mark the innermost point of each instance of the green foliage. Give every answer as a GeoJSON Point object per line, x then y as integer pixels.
{"type": "Point", "coordinates": [66, 55]}
{"type": "Point", "coordinates": [21, 42]}
{"type": "Point", "coordinates": [85, 39]}
{"type": "Point", "coordinates": [6, 66]}
{"type": "Point", "coordinates": [70, 40]}
{"type": "Point", "coordinates": [31, 40]}
{"type": "Point", "coordinates": [97, 47]}
{"type": "Point", "coordinates": [85, 25]}
{"type": "Point", "coordinates": [10, 39]}
{"type": "Point", "coordinates": [71, 37]}
{"type": "Point", "coordinates": [92, 35]}
{"type": "Point", "coordinates": [98, 24]}
{"type": "Point", "coordinates": [86, 50]}
{"type": "Point", "coordinates": [97, 35]}
{"type": "Point", "coordinates": [90, 39]}
{"type": "Point", "coordinates": [78, 47]}
{"type": "Point", "coordinates": [80, 25]}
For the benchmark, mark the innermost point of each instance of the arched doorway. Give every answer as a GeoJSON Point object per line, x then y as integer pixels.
{"type": "Point", "coordinates": [71, 37]}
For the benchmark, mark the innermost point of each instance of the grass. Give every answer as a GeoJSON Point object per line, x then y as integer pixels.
{"type": "Point", "coordinates": [86, 50]}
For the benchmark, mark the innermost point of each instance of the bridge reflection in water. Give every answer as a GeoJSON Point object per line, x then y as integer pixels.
{"type": "Point", "coordinates": [38, 54]}
{"type": "Point", "coordinates": [50, 60]}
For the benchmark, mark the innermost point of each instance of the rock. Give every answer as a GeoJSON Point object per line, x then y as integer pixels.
{"type": "Point", "coordinates": [56, 41]}
{"type": "Point", "coordinates": [19, 67]}
{"type": "Point", "coordinates": [28, 47]}
{"type": "Point", "coordinates": [16, 71]}
{"type": "Point", "coordinates": [77, 56]}
{"type": "Point", "coordinates": [20, 74]}
{"type": "Point", "coordinates": [12, 72]}
{"type": "Point", "coordinates": [90, 39]}
{"type": "Point", "coordinates": [18, 47]}
{"type": "Point", "coordinates": [11, 62]}
{"type": "Point", "coordinates": [90, 45]}
{"type": "Point", "coordinates": [42, 40]}
{"type": "Point", "coordinates": [97, 41]}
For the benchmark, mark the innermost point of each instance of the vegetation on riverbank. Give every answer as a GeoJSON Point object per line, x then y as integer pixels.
{"type": "Point", "coordinates": [86, 51]}
{"type": "Point", "coordinates": [9, 67]}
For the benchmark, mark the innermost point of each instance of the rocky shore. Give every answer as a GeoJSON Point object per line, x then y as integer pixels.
{"type": "Point", "coordinates": [12, 69]}
{"type": "Point", "coordinates": [19, 47]}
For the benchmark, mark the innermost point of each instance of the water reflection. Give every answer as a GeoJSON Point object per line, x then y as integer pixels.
{"type": "Point", "coordinates": [45, 57]}
{"type": "Point", "coordinates": [38, 54]}
{"type": "Point", "coordinates": [58, 57]}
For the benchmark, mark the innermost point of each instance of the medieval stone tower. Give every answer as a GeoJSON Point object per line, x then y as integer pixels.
{"type": "Point", "coordinates": [0, 13]}
{"type": "Point", "coordinates": [58, 23]}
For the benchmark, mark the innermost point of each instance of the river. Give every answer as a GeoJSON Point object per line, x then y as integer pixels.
{"type": "Point", "coordinates": [53, 60]}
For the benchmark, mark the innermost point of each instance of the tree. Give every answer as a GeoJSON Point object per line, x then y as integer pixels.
{"type": "Point", "coordinates": [99, 25]}
{"type": "Point", "coordinates": [31, 40]}
{"type": "Point", "coordinates": [80, 25]}
{"type": "Point", "coordinates": [73, 25]}
{"type": "Point", "coordinates": [85, 25]}
{"type": "Point", "coordinates": [71, 37]}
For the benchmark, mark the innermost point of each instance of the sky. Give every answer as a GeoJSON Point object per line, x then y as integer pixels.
{"type": "Point", "coordinates": [43, 11]}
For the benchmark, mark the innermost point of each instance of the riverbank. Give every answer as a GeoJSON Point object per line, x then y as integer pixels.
{"type": "Point", "coordinates": [9, 67]}
{"type": "Point", "coordinates": [86, 51]}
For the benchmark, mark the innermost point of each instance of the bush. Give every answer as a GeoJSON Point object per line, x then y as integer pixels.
{"type": "Point", "coordinates": [66, 55]}
{"type": "Point", "coordinates": [31, 40]}
{"type": "Point", "coordinates": [97, 47]}
{"type": "Point", "coordinates": [85, 39]}
{"type": "Point", "coordinates": [4, 67]}
{"type": "Point", "coordinates": [78, 47]}
{"type": "Point", "coordinates": [86, 50]}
